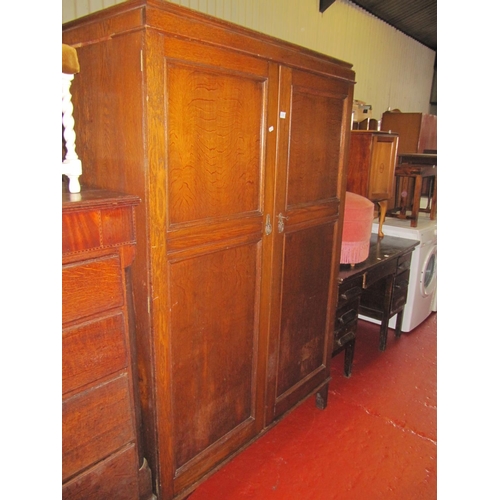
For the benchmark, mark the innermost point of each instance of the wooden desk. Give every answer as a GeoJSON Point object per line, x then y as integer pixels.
{"type": "Point", "coordinates": [417, 167]}
{"type": "Point", "coordinates": [376, 288]}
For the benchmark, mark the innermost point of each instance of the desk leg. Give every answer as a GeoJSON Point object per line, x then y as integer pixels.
{"type": "Point", "coordinates": [348, 357]}
{"type": "Point", "coordinates": [381, 219]}
{"type": "Point", "coordinates": [434, 200]}
{"type": "Point", "coordinates": [383, 334]}
{"type": "Point", "coordinates": [384, 325]}
{"type": "Point", "coordinates": [417, 193]}
{"type": "Point", "coordinates": [399, 323]}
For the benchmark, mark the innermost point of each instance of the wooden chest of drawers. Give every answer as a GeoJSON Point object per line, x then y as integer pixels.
{"type": "Point", "coordinates": [346, 320]}
{"type": "Point", "coordinates": [100, 456]}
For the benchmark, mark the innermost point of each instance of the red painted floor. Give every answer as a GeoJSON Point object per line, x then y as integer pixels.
{"type": "Point", "coordinates": [375, 440]}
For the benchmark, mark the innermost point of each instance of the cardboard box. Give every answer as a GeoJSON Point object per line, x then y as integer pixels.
{"type": "Point", "coordinates": [361, 111]}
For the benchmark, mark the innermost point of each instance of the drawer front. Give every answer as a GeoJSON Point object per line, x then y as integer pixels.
{"type": "Point", "coordinates": [380, 271]}
{"type": "Point", "coordinates": [114, 478]}
{"type": "Point", "coordinates": [93, 350]}
{"type": "Point", "coordinates": [346, 314]}
{"type": "Point", "coordinates": [404, 262]}
{"type": "Point", "coordinates": [91, 287]}
{"type": "Point", "coordinates": [95, 424]}
{"type": "Point", "coordinates": [400, 290]}
{"type": "Point", "coordinates": [349, 291]}
{"type": "Point", "coordinates": [345, 334]}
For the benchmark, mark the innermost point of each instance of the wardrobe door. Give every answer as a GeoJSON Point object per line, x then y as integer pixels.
{"type": "Point", "coordinates": [210, 382]}
{"type": "Point", "coordinates": [312, 128]}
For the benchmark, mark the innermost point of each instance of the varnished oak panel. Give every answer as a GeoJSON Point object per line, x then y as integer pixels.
{"type": "Point", "coordinates": [314, 145]}
{"type": "Point", "coordinates": [214, 144]}
{"type": "Point", "coordinates": [214, 333]}
{"type": "Point", "coordinates": [308, 255]}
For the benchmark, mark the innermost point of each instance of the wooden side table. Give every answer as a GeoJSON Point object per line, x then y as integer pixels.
{"type": "Point", "coordinates": [414, 167]}
{"type": "Point", "coordinates": [372, 160]}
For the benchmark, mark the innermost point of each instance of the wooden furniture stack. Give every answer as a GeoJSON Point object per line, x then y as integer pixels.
{"type": "Point", "coordinates": [236, 143]}
{"type": "Point", "coordinates": [417, 131]}
{"type": "Point", "coordinates": [100, 452]}
{"type": "Point", "coordinates": [417, 135]}
{"type": "Point", "coordinates": [372, 161]}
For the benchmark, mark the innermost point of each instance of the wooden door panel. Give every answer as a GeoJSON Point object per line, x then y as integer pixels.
{"type": "Point", "coordinates": [308, 187]}
{"type": "Point", "coordinates": [305, 304]}
{"type": "Point", "coordinates": [215, 121]}
{"type": "Point", "coordinates": [214, 341]}
{"type": "Point", "coordinates": [313, 148]}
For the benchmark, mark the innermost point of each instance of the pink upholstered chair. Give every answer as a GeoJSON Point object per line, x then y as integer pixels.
{"type": "Point", "coordinates": [358, 218]}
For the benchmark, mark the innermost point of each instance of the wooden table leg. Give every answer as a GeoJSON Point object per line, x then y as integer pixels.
{"type": "Point", "coordinates": [434, 200]}
{"type": "Point", "coordinates": [381, 218]}
{"type": "Point", "coordinates": [403, 197]}
{"type": "Point", "coordinates": [417, 193]}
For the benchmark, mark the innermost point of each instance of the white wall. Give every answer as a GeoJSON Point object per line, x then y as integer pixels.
{"type": "Point", "coordinates": [392, 69]}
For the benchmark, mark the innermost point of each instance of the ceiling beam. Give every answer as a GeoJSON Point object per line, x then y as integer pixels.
{"type": "Point", "coordinates": [324, 4]}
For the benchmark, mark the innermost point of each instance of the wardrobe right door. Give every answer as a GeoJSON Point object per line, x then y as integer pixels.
{"type": "Point", "coordinates": [312, 127]}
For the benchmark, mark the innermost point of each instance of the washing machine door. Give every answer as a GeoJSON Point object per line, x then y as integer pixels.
{"type": "Point", "coordinates": [428, 272]}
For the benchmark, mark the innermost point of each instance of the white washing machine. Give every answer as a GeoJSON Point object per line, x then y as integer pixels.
{"type": "Point", "coordinates": [422, 287]}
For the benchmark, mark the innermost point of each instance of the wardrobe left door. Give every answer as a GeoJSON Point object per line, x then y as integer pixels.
{"type": "Point", "coordinates": [211, 354]}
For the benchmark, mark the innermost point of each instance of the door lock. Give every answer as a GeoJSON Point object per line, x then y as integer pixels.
{"type": "Point", "coordinates": [268, 227]}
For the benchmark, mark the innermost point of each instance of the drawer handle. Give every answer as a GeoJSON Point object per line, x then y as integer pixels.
{"type": "Point", "coordinates": [349, 294]}
{"type": "Point", "coordinates": [348, 316]}
{"type": "Point", "coordinates": [404, 284]}
{"type": "Point", "coordinates": [346, 338]}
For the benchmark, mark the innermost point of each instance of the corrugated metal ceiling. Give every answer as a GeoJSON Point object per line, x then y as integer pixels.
{"type": "Point", "coordinates": [415, 18]}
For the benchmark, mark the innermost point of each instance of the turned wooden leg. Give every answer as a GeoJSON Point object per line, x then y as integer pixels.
{"type": "Point", "coordinates": [322, 397]}
{"type": "Point", "coordinates": [381, 219]}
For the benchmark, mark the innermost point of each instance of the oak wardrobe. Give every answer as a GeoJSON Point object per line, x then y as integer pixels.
{"type": "Point", "coordinates": [236, 144]}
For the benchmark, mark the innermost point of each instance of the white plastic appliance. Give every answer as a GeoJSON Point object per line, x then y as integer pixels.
{"type": "Point", "coordinates": [421, 299]}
